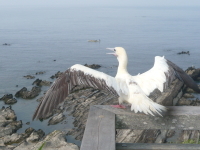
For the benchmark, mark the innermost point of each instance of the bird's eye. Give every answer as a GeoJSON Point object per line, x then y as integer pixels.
{"type": "Point", "coordinates": [114, 49]}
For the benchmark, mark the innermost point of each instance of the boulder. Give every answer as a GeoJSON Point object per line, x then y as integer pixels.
{"type": "Point", "coordinates": [39, 82]}
{"type": "Point", "coordinates": [8, 123]}
{"type": "Point", "coordinates": [25, 94]}
{"type": "Point", "coordinates": [8, 99]}
{"type": "Point", "coordinates": [194, 73]}
{"type": "Point", "coordinates": [56, 119]}
{"type": "Point", "coordinates": [56, 75]}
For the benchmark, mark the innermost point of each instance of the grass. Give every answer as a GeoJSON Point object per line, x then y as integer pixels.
{"type": "Point", "coordinates": [190, 142]}
{"type": "Point", "coordinates": [40, 148]}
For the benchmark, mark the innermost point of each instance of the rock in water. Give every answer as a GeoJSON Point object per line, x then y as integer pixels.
{"type": "Point", "coordinates": [39, 82]}
{"type": "Point", "coordinates": [93, 66]}
{"type": "Point", "coordinates": [56, 119]}
{"type": "Point", "coordinates": [8, 99]}
{"type": "Point", "coordinates": [24, 93]}
{"type": "Point", "coordinates": [29, 77]}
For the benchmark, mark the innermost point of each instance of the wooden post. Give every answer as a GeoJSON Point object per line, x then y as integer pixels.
{"type": "Point", "coordinates": [100, 130]}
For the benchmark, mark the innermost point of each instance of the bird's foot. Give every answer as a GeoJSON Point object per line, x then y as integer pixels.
{"type": "Point", "coordinates": [118, 106]}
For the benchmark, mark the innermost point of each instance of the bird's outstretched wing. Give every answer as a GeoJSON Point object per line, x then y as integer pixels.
{"type": "Point", "coordinates": [161, 75]}
{"type": "Point", "coordinates": [76, 75]}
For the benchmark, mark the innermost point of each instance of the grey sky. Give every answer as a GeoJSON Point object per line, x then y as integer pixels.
{"type": "Point", "coordinates": [102, 2]}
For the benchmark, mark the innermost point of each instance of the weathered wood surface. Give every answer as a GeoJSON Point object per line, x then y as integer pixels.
{"type": "Point", "coordinates": [177, 117]}
{"type": "Point", "coordinates": [100, 130]}
{"type": "Point", "coordinates": [149, 146]}
{"type": "Point", "coordinates": [103, 120]}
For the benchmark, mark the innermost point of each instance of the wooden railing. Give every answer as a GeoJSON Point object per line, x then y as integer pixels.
{"type": "Point", "coordinates": [103, 120]}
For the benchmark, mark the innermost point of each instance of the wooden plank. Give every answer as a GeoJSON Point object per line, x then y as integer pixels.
{"type": "Point", "coordinates": [150, 146]}
{"type": "Point", "coordinates": [100, 130]}
{"type": "Point", "coordinates": [177, 118]}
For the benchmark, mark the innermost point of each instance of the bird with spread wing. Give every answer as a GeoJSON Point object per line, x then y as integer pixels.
{"type": "Point", "coordinates": [131, 89]}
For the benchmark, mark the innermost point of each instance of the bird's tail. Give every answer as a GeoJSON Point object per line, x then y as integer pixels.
{"type": "Point", "coordinates": [146, 105]}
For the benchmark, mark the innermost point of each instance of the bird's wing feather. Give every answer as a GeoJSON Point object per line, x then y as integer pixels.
{"type": "Point", "coordinates": [140, 102]}
{"type": "Point", "coordinates": [181, 75]}
{"type": "Point", "coordinates": [76, 75]}
{"type": "Point", "coordinates": [161, 75]}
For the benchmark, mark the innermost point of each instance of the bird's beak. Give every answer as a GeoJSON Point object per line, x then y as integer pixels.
{"type": "Point", "coordinates": [112, 49]}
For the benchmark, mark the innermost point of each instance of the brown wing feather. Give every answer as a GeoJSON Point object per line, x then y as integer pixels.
{"type": "Point", "coordinates": [183, 76]}
{"type": "Point", "coordinates": [63, 86]}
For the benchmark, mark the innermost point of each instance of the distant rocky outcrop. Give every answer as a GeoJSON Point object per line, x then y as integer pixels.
{"type": "Point", "coordinates": [93, 66]}
{"type": "Point", "coordinates": [29, 77]}
{"type": "Point", "coordinates": [6, 44]}
{"type": "Point", "coordinates": [40, 72]}
{"type": "Point", "coordinates": [184, 52]}
{"type": "Point", "coordinates": [94, 40]}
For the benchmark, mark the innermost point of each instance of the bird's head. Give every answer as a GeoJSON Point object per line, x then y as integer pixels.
{"type": "Point", "coordinates": [119, 52]}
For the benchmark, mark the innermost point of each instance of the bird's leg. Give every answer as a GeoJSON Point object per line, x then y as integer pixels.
{"type": "Point", "coordinates": [120, 104]}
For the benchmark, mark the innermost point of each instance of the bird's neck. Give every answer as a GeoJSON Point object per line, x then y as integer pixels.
{"type": "Point", "coordinates": [122, 68]}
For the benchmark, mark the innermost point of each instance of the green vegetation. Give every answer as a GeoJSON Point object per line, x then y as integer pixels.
{"type": "Point", "coordinates": [190, 142]}
{"type": "Point", "coordinates": [40, 148]}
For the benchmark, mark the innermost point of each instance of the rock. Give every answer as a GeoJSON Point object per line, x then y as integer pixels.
{"type": "Point", "coordinates": [184, 102]}
{"type": "Point", "coordinates": [93, 66]}
{"type": "Point", "coordinates": [39, 99]}
{"type": "Point", "coordinates": [30, 135]}
{"type": "Point", "coordinates": [184, 52]}
{"type": "Point", "coordinates": [194, 73]}
{"type": "Point", "coordinates": [188, 95]}
{"type": "Point", "coordinates": [39, 82]}
{"type": "Point", "coordinates": [8, 123]}
{"type": "Point", "coordinates": [53, 141]}
{"type": "Point", "coordinates": [195, 102]}
{"type": "Point", "coordinates": [35, 136]}
{"type": "Point", "coordinates": [11, 101]}
{"type": "Point", "coordinates": [56, 119]}
{"type": "Point", "coordinates": [29, 77]}
{"type": "Point", "coordinates": [6, 97]}
{"type": "Point", "coordinates": [24, 93]}
{"type": "Point", "coordinates": [56, 75]}
{"type": "Point", "coordinates": [189, 90]}
{"type": "Point", "coordinates": [6, 44]}
{"type": "Point", "coordinates": [14, 138]}
{"type": "Point", "coordinates": [94, 40]}
{"type": "Point", "coordinates": [41, 72]}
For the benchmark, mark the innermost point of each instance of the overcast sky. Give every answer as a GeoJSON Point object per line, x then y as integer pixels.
{"type": "Point", "coordinates": [102, 2]}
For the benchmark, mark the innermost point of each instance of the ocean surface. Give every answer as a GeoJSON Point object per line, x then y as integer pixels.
{"type": "Point", "coordinates": [38, 35]}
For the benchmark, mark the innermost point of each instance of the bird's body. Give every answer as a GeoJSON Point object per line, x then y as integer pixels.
{"type": "Point", "coordinates": [132, 89]}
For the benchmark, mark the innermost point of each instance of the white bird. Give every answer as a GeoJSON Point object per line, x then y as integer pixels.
{"type": "Point", "coordinates": [132, 89]}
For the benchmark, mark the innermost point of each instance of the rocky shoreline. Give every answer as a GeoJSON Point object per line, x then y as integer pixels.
{"type": "Point", "coordinates": [77, 105]}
